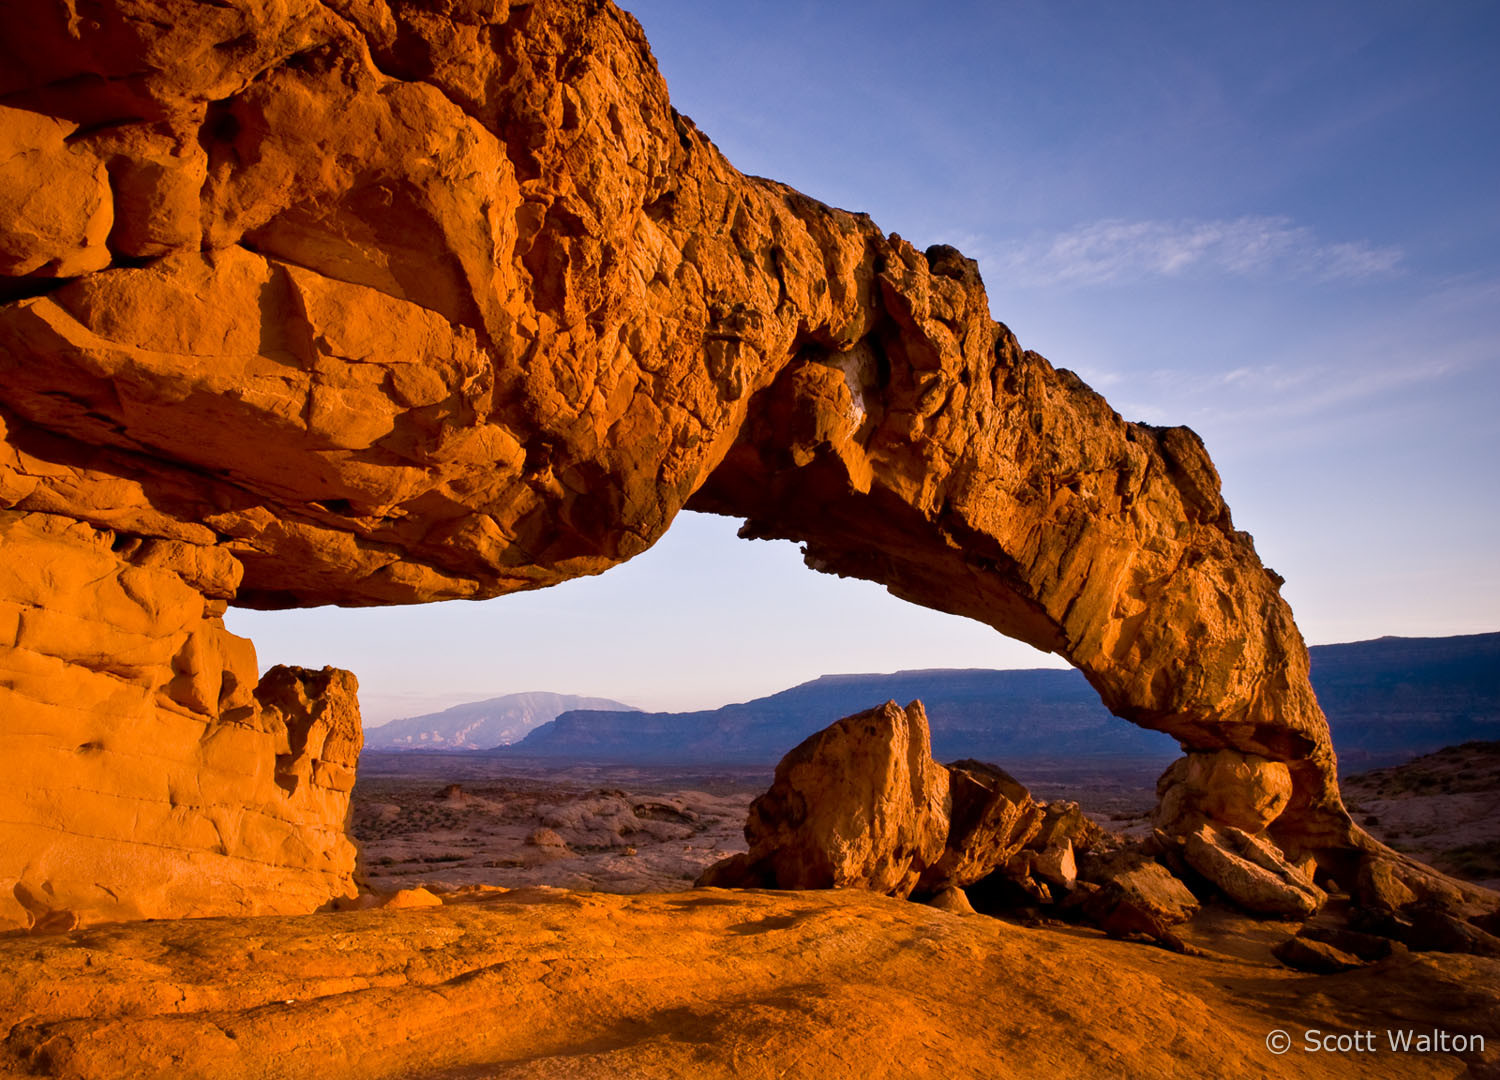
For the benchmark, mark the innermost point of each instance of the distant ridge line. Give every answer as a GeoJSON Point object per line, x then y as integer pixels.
{"type": "Point", "coordinates": [1387, 699]}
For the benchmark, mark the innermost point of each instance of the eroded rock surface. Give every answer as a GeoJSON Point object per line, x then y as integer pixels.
{"type": "Point", "coordinates": [861, 803]}
{"type": "Point", "coordinates": [1224, 787]}
{"type": "Point", "coordinates": [1251, 872]}
{"type": "Point", "coordinates": [368, 302]}
{"type": "Point", "coordinates": [742, 986]}
{"type": "Point", "coordinates": [990, 819]}
{"type": "Point", "coordinates": [1138, 896]}
{"type": "Point", "coordinates": [147, 775]}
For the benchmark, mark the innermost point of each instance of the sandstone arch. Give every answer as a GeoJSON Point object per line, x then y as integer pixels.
{"type": "Point", "coordinates": [367, 302]}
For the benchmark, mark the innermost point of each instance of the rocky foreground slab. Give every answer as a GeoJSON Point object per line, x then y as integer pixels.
{"type": "Point", "coordinates": [833, 984]}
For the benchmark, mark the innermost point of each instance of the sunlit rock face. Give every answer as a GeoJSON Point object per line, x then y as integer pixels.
{"type": "Point", "coordinates": [364, 303]}
{"type": "Point", "coordinates": [146, 774]}
{"type": "Point", "coordinates": [860, 804]}
{"type": "Point", "coordinates": [1224, 786]}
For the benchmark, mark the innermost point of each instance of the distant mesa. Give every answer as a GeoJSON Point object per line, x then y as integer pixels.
{"type": "Point", "coordinates": [1386, 700]}
{"type": "Point", "coordinates": [973, 712]}
{"type": "Point", "coordinates": [481, 725]}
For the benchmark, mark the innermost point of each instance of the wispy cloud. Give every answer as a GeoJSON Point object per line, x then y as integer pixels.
{"type": "Point", "coordinates": [1277, 397]}
{"type": "Point", "coordinates": [1114, 251]}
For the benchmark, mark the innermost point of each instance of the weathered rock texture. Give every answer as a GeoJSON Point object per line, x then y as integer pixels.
{"type": "Point", "coordinates": [989, 818]}
{"type": "Point", "coordinates": [387, 302]}
{"type": "Point", "coordinates": [546, 985]}
{"type": "Point", "coordinates": [860, 804]}
{"type": "Point", "coordinates": [146, 774]}
{"type": "Point", "coordinates": [1223, 786]}
{"type": "Point", "coordinates": [1138, 896]}
{"type": "Point", "coordinates": [1251, 872]}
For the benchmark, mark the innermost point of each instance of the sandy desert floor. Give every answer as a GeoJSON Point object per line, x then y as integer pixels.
{"type": "Point", "coordinates": [1442, 808]}
{"type": "Point", "coordinates": [514, 822]}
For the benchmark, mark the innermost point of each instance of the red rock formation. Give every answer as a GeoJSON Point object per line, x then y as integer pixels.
{"type": "Point", "coordinates": [1242, 790]}
{"type": "Point", "coordinates": [860, 804]}
{"type": "Point", "coordinates": [388, 301]}
{"type": "Point", "coordinates": [147, 775]}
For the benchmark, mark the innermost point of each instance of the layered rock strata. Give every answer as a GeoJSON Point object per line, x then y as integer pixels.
{"type": "Point", "coordinates": [149, 772]}
{"type": "Point", "coordinates": [373, 302]}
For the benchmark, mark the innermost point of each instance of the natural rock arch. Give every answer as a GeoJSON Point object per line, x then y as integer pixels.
{"type": "Point", "coordinates": [361, 302]}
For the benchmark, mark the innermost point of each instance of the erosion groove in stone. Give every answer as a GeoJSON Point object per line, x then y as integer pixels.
{"type": "Point", "coordinates": [368, 303]}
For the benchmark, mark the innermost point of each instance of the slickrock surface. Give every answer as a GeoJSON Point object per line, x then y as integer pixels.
{"type": "Point", "coordinates": [835, 985]}
{"type": "Point", "coordinates": [361, 302]}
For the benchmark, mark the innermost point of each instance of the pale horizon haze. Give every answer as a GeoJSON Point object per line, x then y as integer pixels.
{"type": "Point", "coordinates": [1277, 224]}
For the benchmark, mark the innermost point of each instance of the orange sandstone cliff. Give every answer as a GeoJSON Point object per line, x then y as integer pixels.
{"type": "Point", "coordinates": [391, 301]}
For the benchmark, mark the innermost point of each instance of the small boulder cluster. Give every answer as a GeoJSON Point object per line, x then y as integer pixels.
{"type": "Point", "coordinates": [862, 804]}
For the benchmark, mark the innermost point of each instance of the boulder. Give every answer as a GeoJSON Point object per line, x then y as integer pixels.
{"type": "Point", "coordinates": [863, 804]}
{"type": "Point", "coordinates": [1066, 821]}
{"type": "Point", "coordinates": [953, 900]}
{"type": "Point", "coordinates": [1221, 787]}
{"type": "Point", "coordinates": [412, 898]}
{"type": "Point", "coordinates": [1368, 947]}
{"type": "Point", "coordinates": [1386, 881]}
{"type": "Point", "coordinates": [1317, 957]}
{"type": "Point", "coordinates": [1251, 872]}
{"type": "Point", "coordinates": [991, 817]}
{"type": "Point", "coordinates": [1428, 928]}
{"type": "Point", "coordinates": [1010, 888]}
{"type": "Point", "coordinates": [1047, 868]}
{"type": "Point", "coordinates": [1055, 864]}
{"type": "Point", "coordinates": [1379, 887]}
{"type": "Point", "coordinates": [1138, 896]}
{"type": "Point", "coordinates": [859, 804]}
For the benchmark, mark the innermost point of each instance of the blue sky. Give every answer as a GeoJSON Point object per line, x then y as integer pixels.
{"type": "Point", "coordinates": [1277, 223]}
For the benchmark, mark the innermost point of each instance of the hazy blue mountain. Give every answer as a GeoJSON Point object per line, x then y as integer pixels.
{"type": "Point", "coordinates": [1386, 700]}
{"type": "Point", "coordinates": [973, 712]}
{"type": "Point", "coordinates": [480, 725]}
{"type": "Point", "coordinates": [1393, 698]}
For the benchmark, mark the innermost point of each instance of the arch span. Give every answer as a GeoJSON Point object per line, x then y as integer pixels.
{"type": "Point", "coordinates": [355, 303]}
